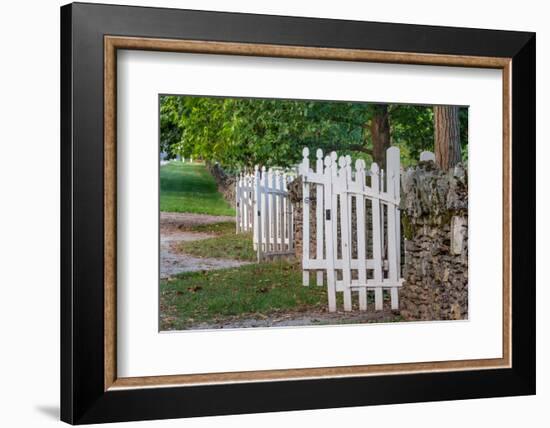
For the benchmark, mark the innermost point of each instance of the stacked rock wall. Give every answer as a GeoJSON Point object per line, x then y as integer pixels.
{"type": "Point", "coordinates": [434, 216]}
{"type": "Point", "coordinates": [295, 196]}
{"type": "Point", "coordinates": [224, 181]}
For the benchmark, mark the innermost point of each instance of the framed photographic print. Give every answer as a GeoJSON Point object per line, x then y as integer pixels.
{"type": "Point", "coordinates": [266, 213]}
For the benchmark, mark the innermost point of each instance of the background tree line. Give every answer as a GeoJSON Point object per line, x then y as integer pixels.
{"type": "Point", "coordinates": [240, 133]}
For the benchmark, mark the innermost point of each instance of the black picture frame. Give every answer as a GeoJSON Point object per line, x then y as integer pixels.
{"type": "Point", "coordinates": [83, 397]}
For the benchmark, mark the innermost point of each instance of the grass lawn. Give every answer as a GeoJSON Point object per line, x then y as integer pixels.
{"type": "Point", "coordinates": [250, 290]}
{"type": "Point", "coordinates": [226, 245]}
{"type": "Point", "coordinates": [189, 188]}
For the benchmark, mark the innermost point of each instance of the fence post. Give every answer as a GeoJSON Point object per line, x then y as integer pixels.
{"type": "Point", "coordinates": [392, 177]}
{"type": "Point", "coordinates": [305, 214]}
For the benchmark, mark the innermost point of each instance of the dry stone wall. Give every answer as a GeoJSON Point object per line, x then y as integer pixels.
{"type": "Point", "coordinates": [434, 215]}
{"type": "Point", "coordinates": [224, 181]}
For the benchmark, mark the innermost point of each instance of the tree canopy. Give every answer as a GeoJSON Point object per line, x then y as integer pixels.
{"type": "Point", "coordinates": [243, 132]}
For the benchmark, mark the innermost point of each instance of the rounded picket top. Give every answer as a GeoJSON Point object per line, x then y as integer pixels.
{"type": "Point", "coordinates": [392, 151]}
{"type": "Point", "coordinates": [359, 164]}
{"type": "Point", "coordinates": [264, 168]}
{"type": "Point", "coordinates": [342, 161]}
{"type": "Point", "coordinates": [256, 168]}
{"type": "Point", "coordinates": [374, 168]}
{"type": "Point", "coordinates": [319, 154]}
{"type": "Point", "coordinates": [305, 152]}
{"type": "Point", "coordinates": [333, 156]}
{"type": "Point", "coordinates": [328, 160]}
{"type": "Point", "coordinates": [348, 160]}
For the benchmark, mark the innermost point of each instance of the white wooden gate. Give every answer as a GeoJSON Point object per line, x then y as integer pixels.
{"type": "Point", "coordinates": [357, 227]}
{"type": "Point", "coordinates": [263, 206]}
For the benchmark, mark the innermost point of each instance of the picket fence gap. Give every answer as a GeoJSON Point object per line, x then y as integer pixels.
{"type": "Point", "coordinates": [344, 236]}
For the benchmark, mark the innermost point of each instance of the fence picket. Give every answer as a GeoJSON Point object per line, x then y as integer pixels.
{"type": "Point", "coordinates": [334, 210]}
{"type": "Point", "coordinates": [273, 204]}
{"type": "Point", "coordinates": [265, 211]}
{"type": "Point", "coordinates": [361, 244]}
{"type": "Point", "coordinates": [237, 205]}
{"type": "Point", "coordinates": [330, 219]}
{"type": "Point", "coordinates": [376, 237]}
{"type": "Point", "coordinates": [344, 231]}
{"type": "Point", "coordinates": [258, 228]}
{"type": "Point", "coordinates": [319, 226]}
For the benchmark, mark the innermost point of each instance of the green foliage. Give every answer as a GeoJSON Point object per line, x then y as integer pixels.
{"type": "Point", "coordinates": [190, 188]}
{"type": "Point", "coordinates": [242, 132]}
{"type": "Point", "coordinates": [412, 130]}
{"type": "Point", "coordinates": [170, 130]}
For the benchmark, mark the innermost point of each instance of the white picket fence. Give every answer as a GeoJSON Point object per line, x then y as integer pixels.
{"type": "Point", "coordinates": [357, 227]}
{"type": "Point", "coordinates": [244, 202]}
{"type": "Point", "coordinates": [263, 206]}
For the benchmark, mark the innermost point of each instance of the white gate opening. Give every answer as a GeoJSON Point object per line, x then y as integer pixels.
{"type": "Point", "coordinates": [357, 227]}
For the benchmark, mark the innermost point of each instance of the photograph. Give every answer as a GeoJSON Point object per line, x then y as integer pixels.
{"type": "Point", "coordinates": [291, 212]}
{"type": "Point", "coordinates": [282, 210]}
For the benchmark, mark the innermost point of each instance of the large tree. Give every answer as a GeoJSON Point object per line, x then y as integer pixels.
{"type": "Point", "coordinates": [447, 136]}
{"type": "Point", "coordinates": [380, 133]}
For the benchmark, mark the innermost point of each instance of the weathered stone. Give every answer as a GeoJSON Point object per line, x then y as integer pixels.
{"type": "Point", "coordinates": [458, 230]}
{"type": "Point", "coordinates": [434, 207]}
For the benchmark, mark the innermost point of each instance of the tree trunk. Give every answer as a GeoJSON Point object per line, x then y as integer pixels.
{"type": "Point", "coordinates": [447, 136]}
{"type": "Point", "coordinates": [380, 133]}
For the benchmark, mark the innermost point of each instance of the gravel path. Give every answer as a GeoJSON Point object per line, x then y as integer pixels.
{"type": "Point", "coordinates": [172, 261]}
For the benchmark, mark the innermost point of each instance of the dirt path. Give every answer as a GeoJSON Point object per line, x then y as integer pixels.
{"type": "Point", "coordinates": [172, 232]}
